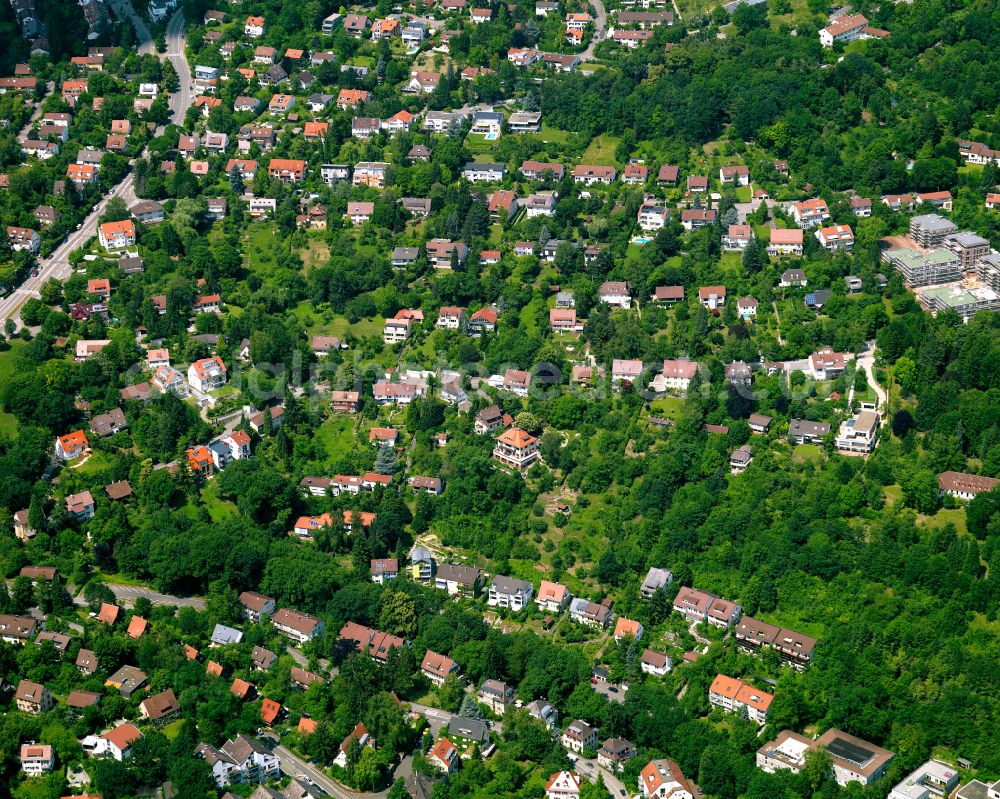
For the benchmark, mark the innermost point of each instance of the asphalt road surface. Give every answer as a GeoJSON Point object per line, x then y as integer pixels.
{"type": "Point", "coordinates": [127, 594]}
{"type": "Point", "coordinates": [57, 264]}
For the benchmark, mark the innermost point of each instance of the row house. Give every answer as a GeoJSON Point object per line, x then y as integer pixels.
{"type": "Point", "coordinates": [441, 252]}
{"type": "Point", "coordinates": [509, 592]}
{"type": "Point", "coordinates": [793, 647]}
{"type": "Point", "coordinates": [288, 170]}
{"type": "Point", "coordinates": [298, 626]}
{"type": "Point", "coordinates": [255, 607]}
{"type": "Point", "coordinates": [699, 606]}
{"type": "Point", "coordinates": [371, 173]}
{"type": "Point", "coordinates": [589, 174]}
{"type": "Point", "coordinates": [836, 237]}
{"type": "Point", "coordinates": [697, 218]}
{"type": "Point", "coordinates": [785, 242]}
{"type": "Point", "coordinates": [537, 170]}
{"type": "Point", "coordinates": [735, 696]}
{"type": "Point", "coordinates": [809, 213]}
{"type": "Point", "coordinates": [590, 614]}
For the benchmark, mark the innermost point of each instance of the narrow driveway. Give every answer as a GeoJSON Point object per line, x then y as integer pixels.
{"type": "Point", "coordinates": [866, 361]}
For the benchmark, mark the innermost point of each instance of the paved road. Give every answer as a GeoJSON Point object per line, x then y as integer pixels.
{"type": "Point", "coordinates": [127, 594]}
{"type": "Point", "coordinates": [123, 9]}
{"type": "Point", "coordinates": [590, 769]}
{"type": "Point", "coordinates": [181, 100]}
{"type": "Point", "coordinates": [36, 114]}
{"type": "Point", "coordinates": [57, 264]}
{"type": "Point", "coordinates": [295, 766]}
{"type": "Point", "coordinates": [600, 25]}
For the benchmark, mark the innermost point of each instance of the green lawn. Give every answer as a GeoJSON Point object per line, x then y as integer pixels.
{"type": "Point", "coordinates": [219, 509]}
{"type": "Point", "coordinates": [96, 463]}
{"type": "Point", "coordinates": [173, 729]}
{"type": "Point", "coordinates": [600, 151]}
{"type": "Point", "coordinates": [336, 435]}
{"type": "Point", "coordinates": [554, 135]}
{"type": "Point", "coordinates": [338, 325]}
{"type": "Point", "coordinates": [807, 452]}
{"type": "Point", "coordinates": [670, 407]}
{"type": "Point", "coordinates": [8, 359]}
{"type": "Point", "coordinates": [955, 516]}
{"type": "Point", "coordinates": [8, 425]}
{"type": "Point", "coordinates": [260, 249]}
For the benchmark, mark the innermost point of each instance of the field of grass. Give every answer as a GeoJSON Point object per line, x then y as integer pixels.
{"type": "Point", "coordinates": [336, 435]}
{"type": "Point", "coordinates": [338, 325]}
{"type": "Point", "coordinates": [554, 135]}
{"type": "Point", "coordinates": [601, 151]}
{"type": "Point", "coordinates": [8, 359]}
{"type": "Point", "coordinates": [670, 407]}
{"type": "Point", "coordinates": [173, 729]}
{"type": "Point", "coordinates": [96, 463]}
{"type": "Point", "coordinates": [260, 249]}
{"type": "Point", "coordinates": [893, 494]}
{"type": "Point", "coordinates": [318, 252]}
{"type": "Point", "coordinates": [955, 516]}
{"type": "Point", "coordinates": [8, 425]}
{"type": "Point", "coordinates": [807, 452]}
{"type": "Point", "coordinates": [219, 509]}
